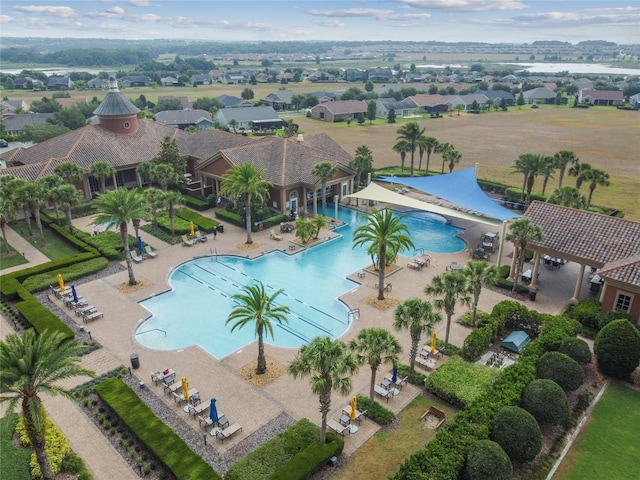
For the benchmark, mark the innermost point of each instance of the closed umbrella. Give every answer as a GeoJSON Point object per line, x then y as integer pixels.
{"type": "Point", "coordinates": [193, 232]}
{"type": "Point", "coordinates": [394, 377]}
{"type": "Point", "coordinates": [75, 295]}
{"type": "Point", "coordinates": [140, 244]}
{"type": "Point", "coordinates": [354, 404]}
{"type": "Point", "coordinates": [61, 282]}
{"type": "Point", "coordinates": [213, 411]}
{"type": "Point", "coordinates": [185, 388]}
{"type": "Point", "coordinates": [433, 343]}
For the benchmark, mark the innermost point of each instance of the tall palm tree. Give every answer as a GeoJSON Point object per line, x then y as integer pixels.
{"type": "Point", "coordinates": [50, 184]}
{"type": "Point", "coordinates": [360, 164]}
{"type": "Point", "coordinates": [568, 197]}
{"type": "Point", "coordinates": [529, 165]}
{"type": "Point", "coordinates": [452, 156]}
{"type": "Point", "coordinates": [364, 151]}
{"type": "Point", "coordinates": [101, 171]}
{"type": "Point", "coordinates": [155, 199]}
{"type": "Point", "coordinates": [164, 176]}
{"type": "Point", "coordinates": [69, 171]}
{"type": "Point", "coordinates": [120, 207]}
{"type": "Point", "coordinates": [477, 273]}
{"type": "Point", "coordinates": [429, 145]}
{"type": "Point", "coordinates": [171, 200]}
{"type": "Point", "coordinates": [324, 171]}
{"type": "Point", "coordinates": [33, 195]}
{"type": "Point", "coordinates": [561, 160]}
{"type": "Point", "coordinates": [442, 149]}
{"type": "Point", "coordinates": [375, 346]}
{"type": "Point", "coordinates": [547, 167]}
{"type": "Point", "coordinates": [330, 366]}
{"type": "Point", "coordinates": [69, 196]}
{"type": "Point", "coordinates": [402, 147]}
{"type": "Point", "coordinates": [453, 288]}
{"type": "Point", "coordinates": [13, 189]}
{"type": "Point", "coordinates": [254, 306]}
{"type": "Point", "coordinates": [579, 170]}
{"type": "Point", "coordinates": [417, 316]}
{"type": "Point", "coordinates": [522, 232]}
{"type": "Point", "coordinates": [596, 177]}
{"type": "Point", "coordinates": [7, 213]}
{"type": "Point", "coordinates": [411, 133]}
{"type": "Point", "coordinates": [245, 182]}
{"type": "Point", "coordinates": [33, 365]}
{"type": "Point", "coordinates": [385, 234]}
{"type": "Point", "coordinates": [145, 171]}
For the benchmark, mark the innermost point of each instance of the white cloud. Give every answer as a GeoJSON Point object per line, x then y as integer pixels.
{"type": "Point", "coordinates": [465, 5]}
{"type": "Point", "coordinates": [115, 10]}
{"type": "Point", "coordinates": [6, 19]}
{"type": "Point", "coordinates": [329, 23]}
{"type": "Point", "coordinates": [556, 19]}
{"type": "Point", "coordinates": [351, 12]}
{"type": "Point", "coordinates": [64, 12]}
{"type": "Point", "coordinates": [139, 3]}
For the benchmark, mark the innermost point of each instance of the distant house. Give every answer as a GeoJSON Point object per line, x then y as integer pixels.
{"type": "Point", "coordinates": [168, 81]}
{"type": "Point", "coordinates": [279, 100]}
{"type": "Point", "coordinates": [402, 109]}
{"type": "Point", "coordinates": [262, 77]}
{"type": "Point", "coordinates": [255, 118]}
{"type": "Point", "coordinates": [324, 96]}
{"type": "Point", "coordinates": [355, 75]}
{"type": "Point", "coordinates": [200, 119]}
{"type": "Point", "coordinates": [601, 97]}
{"type": "Point", "coordinates": [497, 96]}
{"type": "Point", "coordinates": [98, 84]}
{"type": "Point", "coordinates": [430, 103]}
{"type": "Point", "coordinates": [13, 124]}
{"type": "Point", "coordinates": [340, 110]}
{"type": "Point", "coordinates": [8, 107]}
{"type": "Point", "coordinates": [135, 81]}
{"type": "Point", "coordinates": [540, 95]}
{"type": "Point", "coordinates": [380, 75]}
{"type": "Point", "coordinates": [229, 101]}
{"type": "Point", "coordinates": [320, 76]}
{"type": "Point", "coordinates": [634, 100]}
{"type": "Point", "coordinates": [27, 83]}
{"type": "Point", "coordinates": [232, 78]}
{"type": "Point", "coordinates": [200, 79]}
{"type": "Point", "coordinates": [59, 83]}
{"type": "Point", "coordinates": [184, 100]}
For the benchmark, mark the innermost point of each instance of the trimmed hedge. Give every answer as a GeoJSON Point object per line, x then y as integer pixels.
{"type": "Point", "coordinates": [577, 349]}
{"type": "Point", "coordinates": [203, 223]}
{"type": "Point", "coordinates": [311, 460]}
{"type": "Point", "coordinates": [617, 348]}
{"type": "Point", "coordinates": [518, 433]}
{"type": "Point", "coordinates": [37, 283]}
{"type": "Point", "coordinates": [153, 432]}
{"type": "Point", "coordinates": [562, 369]}
{"type": "Point", "coordinates": [41, 318]}
{"type": "Point", "coordinates": [547, 402]}
{"type": "Point", "coordinates": [486, 460]}
{"type": "Point", "coordinates": [231, 217]}
{"type": "Point", "coordinates": [196, 203]}
{"type": "Point", "coordinates": [180, 226]}
{"type": "Point", "coordinates": [375, 411]}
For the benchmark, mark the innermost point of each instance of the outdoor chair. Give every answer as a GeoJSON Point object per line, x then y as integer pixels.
{"type": "Point", "coordinates": [229, 431]}
{"type": "Point", "coordinates": [274, 235]}
{"type": "Point", "coordinates": [337, 427]}
{"type": "Point", "coordinates": [135, 256]}
{"type": "Point", "coordinates": [186, 242]}
{"type": "Point", "coordinates": [150, 252]}
{"type": "Point", "coordinates": [383, 392]}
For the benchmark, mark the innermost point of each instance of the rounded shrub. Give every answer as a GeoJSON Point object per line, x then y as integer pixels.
{"type": "Point", "coordinates": [577, 349]}
{"type": "Point", "coordinates": [518, 433]}
{"type": "Point", "coordinates": [587, 312]}
{"type": "Point", "coordinates": [546, 401]}
{"type": "Point", "coordinates": [612, 315]}
{"type": "Point", "coordinates": [560, 368]}
{"type": "Point", "coordinates": [486, 460]}
{"type": "Point", "coordinates": [617, 348]}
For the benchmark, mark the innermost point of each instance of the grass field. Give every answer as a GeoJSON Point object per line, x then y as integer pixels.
{"type": "Point", "coordinates": [604, 137]}
{"type": "Point", "coordinates": [51, 245]}
{"type": "Point", "coordinates": [608, 445]}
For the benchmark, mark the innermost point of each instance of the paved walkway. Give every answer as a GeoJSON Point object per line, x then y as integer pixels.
{"type": "Point", "coordinates": [241, 402]}
{"type": "Point", "coordinates": [32, 254]}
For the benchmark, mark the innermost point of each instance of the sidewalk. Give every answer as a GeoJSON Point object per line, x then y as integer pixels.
{"type": "Point", "coordinates": [31, 253]}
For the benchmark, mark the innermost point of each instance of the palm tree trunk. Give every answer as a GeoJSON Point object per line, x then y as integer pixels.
{"type": "Point", "coordinates": [374, 370]}
{"type": "Point", "coordinates": [426, 169]}
{"type": "Point", "coordinates": [474, 310]}
{"type": "Point", "coordinates": [446, 335]}
{"type": "Point", "coordinates": [27, 218]}
{"type": "Point", "coordinates": [262, 361]}
{"type": "Point", "coordinates": [324, 198]}
{"type": "Point", "coordinates": [247, 217]}
{"type": "Point", "coordinates": [412, 353]}
{"type": "Point", "coordinates": [127, 252]}
{"type": "Point", "coordinates": [560, 177]}
{"type": "Point", "coordinates": [325, 405]}
{"type": "Point", "coordinates": [103, 186]}
{"type": "Point", "coordinates": [411, 168]}
{"type": "Point", "coordinates": [382, 258]}
{"type": "Point", "coordinates": [68, 215]}
{"type": "Point", "coordinates": [590, 195]}
{"type": "Point", "coordinates": [37, 440]}
{"type": "Point", "coordinates": [36, 215]}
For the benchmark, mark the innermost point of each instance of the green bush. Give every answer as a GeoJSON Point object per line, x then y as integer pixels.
{"type": "Point", "coordinates": [231, 217]}
{"type": "Point", "coordinates": [477, 342]}
{"type": "Point", "coordinates": [153, 432]}
{"type": "Point", "coordinates": [160, 234]}
{"type": "Point", "coordinates": [486, 460]}
{"type": "Point", "coordinates": [518, 433]}
{"type": "Point", "coordinates": [562, 369]}
{"type": "Point", "coordinates": [587, 312]}
{"type": "Point", "coordinates": [14, 460]}
{"type": "Point", "coordinates": [196, 203]}
{"type": "Point", "coordinates": [41, 282]}
{"type": "Point", "coordinates": [577, 349]}
{"type": "Point", "coordinates": [375, 411]}
{"type": "Point", "coordinates": [203, 223]}
{"type": "Point", "coordinates": [516, 316]}
{"type": "Point", "coordinates": [547, 402]}
{"type": "Point", "coordinates": [41, 318]}
{"type": "Point", "coordinates": [617, 348]}
{"type": "Point", "coordinates": [612, 315]}
{"type": "Point", "coordinates": [311, 460]}
{"type": "Point", "coordinates": [180, 226]}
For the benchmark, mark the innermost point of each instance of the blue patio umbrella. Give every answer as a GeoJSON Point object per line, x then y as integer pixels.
{"type": "Point", "coordinates": [75, 295]}
{"type": "Point", "coordinates": [394, 378]}
{"type": "Point", "coordinates": [140, 244]}
{"type": "Point", "coordinates": [213, 411]}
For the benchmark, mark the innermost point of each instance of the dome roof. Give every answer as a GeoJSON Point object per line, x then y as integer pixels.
{"type": "Point", "coordinates": [115, 104]}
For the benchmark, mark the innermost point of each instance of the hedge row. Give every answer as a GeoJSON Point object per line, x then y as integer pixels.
{"type": "Point", "coordinates": [153, 432]}
{"type": "Point", "coordinates": [311, 460]}
{"type": "Point", "coordinates": [41, 318]}
{"type": "Point", "coordinates": [196, 203]}
{"type": "Point", "coordinates": [203, 223]}
{"type": "Point", "coordinates": [37, 283]}
{"type": "Point", "coordinates": [180, 226]}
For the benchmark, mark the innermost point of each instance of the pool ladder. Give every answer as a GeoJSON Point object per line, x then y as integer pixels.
{"type": "Point", "coordinates": [354, 314]}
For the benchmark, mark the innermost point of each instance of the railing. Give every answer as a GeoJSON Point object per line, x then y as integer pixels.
{"type": "Point", "coordinates": [354, 314]}
{"type": "Point", "coordinates": [151, 330]}
{"type": "Point", "coordinates": [418, 251]}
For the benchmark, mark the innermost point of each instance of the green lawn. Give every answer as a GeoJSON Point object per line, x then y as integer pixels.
{"type": "Point", "coordinates": [11, 259]}
{"type": "Point", "coordinates": [607, 448]}
{"type": "Point", "coordinates": [51, 245]}
{"type": "Point", "coordinates": [14, 461]}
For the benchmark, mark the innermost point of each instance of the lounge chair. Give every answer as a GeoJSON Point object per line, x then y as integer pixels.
{"type": "Point", "coordinates": [135, 256]}
{"type": "Point", "coordinates": [199, 237]}
{"type": "Point", "coordinates": [186, 242]}
{"type": "Point", "coordinates": [414, 266]}
{"type": "Point", "coordinates": [337, 427]}
{"type": "Point", "coordinates": [399, 380]}
{"type": "Point", "coordinates": [426, 363]}
{"type": "Point", "coordinates": [92, 316]}
{"type": "Point", "coordinates": [274, 235]}
{"type": "Point", "coordinates": [198, 409]}
{"type": "Point", "coordinates": [359, 414]}
{"type": "Point", "coordinates": [222, 420]}
{"type": "Point", "coordinates": [149, 252]}
{"type": "Point", "coordinates": [383, 392]}
{"type": "Point", "coordinates": [229, 431]}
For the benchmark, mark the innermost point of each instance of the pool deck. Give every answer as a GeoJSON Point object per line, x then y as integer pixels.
{"type": "Point", "coordinates": [241, 402]}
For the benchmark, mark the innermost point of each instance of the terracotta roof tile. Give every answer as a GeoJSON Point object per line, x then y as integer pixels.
{"type": "Point", "coordinates": [626, 270]}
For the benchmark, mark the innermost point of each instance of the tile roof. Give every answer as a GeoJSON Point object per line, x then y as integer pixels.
{"type": "Point", "coordinates": [115, 104]}
{"type": "Point", "coordinates": [603, 94]}
{"type": "Point", "coordinates": [183, 117]}
{"type": "Point", "coordinates": [423, 100]}
{"type": "Point", "coordinates": [17, 121]}
{"type": "Point", "coordinates": [344, 106]}
{"type": "Point", "coordinates": [594, 238]}
{"type": "Point", "coordinates": [625, 270]}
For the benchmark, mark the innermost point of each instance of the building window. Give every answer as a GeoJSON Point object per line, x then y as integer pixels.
{"type": "Point", "coordinates": [623, 302]}
{"type": "Point", "coordinates": [93, 184]}
{"type": "Point", "coordinates": [119, 179]}
{"type": "Point", "coordinates": [126, 125]}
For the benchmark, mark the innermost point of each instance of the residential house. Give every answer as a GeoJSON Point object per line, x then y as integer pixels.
{"type": "Point", "coordinates": [279, 100]}
{"type": "Point", "coordinates": [59, 83]}
{"type": "Point", "coordinates": [232, 78]}
{"type": "Point", "coordinates": [135, 81]}
{"type": "Point", "coordinates": [355, 75]}
{"type": "Point", "coordinates": [8, 107]}
{"type": "Point", "coordinates": [380, 75]}
{"type": "Point", "coordinates": [229, 101]}
{"type": "Point", "coordinates": [182, 119]}
{"type": "Point", "coordinates": [634, 100]}
{"type": "Point", "coordinates": [430, 103]}
{"type": "Point", "coordinates": [262, 77]}
{"type": "Point", "coordinates": [340, 110]}
{"type": "Point", "coordinates": [13, 124]}
{"type": "Point", "coordinates": [540, 95]}
{"type": "Point", "coordinates": [200, 79]}
{"type": "Point", "coordinates": [321, 76]}
{"type": "Point", "coordinates": [255, 118]}
{"type": "Point", "coordinates": [70, 102]}
{"type": "Point", "coordinates": [183, 99]}
{"type": "Point", "coordinates": [601, 97]}
{"type": "Point", "coordinates": [27, 83]}
{"type": "Point", "coordinates": [496, 96]}
{"type": "Point", "coordinates": [402, 109]}
{"type": "Point", "coordinates": [169, 81]}
{"type": "Point", "coordinates": [98, 84]}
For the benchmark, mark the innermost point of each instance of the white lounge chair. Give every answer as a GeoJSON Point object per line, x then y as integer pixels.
{"type": "Point", "coordinates": [150, 252]}
{"type": "Point", "coordinates": [135, 256]}
{"type": "Point", "coordinates": [274, 235]}
{"type": "Point", "coordinates": [383, 392]}
{"type": "Point", "coordinates": [337, 427]}
{"type": "Point", "coordinates": [186, 242]}
{"type": "Point", "coordinates": [230, 430]}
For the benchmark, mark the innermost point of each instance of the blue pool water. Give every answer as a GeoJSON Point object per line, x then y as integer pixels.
{"type": "Point", "coordinates": [195, 310]}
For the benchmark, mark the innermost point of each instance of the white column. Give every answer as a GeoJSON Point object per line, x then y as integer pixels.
{"type": "Point", "coordinates": [115, 182]}
{"type": "Point", "coordinates": [534, 273]}
{"type": "Point", "coordinates": [335, 205]}
{"type": "Point", "coordinates": [315, 201]}
{"type": "Point", "coordinates": [576, 293]}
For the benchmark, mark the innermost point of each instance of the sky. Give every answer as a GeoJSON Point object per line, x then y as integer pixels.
{"type": "Point", "coordinates": [491, 21]}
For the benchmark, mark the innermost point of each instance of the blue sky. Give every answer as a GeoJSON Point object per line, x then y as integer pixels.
{"type": "Point", "coordinates": [492, 21]}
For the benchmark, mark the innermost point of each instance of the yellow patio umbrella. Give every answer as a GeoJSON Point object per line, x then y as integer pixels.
{"type": "Point", "coordinates": [185, 388]}
{"type": "Point", "coordinates": [354, 404]}
{"type": "Point", "coordinates": [433, 343]}
{"type": "Point", "coordinates": [192, 228]}
{"type": "Point", "coordinates": [61, 282]}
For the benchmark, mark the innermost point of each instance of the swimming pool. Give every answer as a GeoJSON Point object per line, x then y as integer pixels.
{"type": "Point", "coordinates": [194, 311]}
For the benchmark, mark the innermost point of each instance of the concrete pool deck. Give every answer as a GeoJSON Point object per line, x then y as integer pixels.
{"type": "Point", "coordinates": [241, 402]}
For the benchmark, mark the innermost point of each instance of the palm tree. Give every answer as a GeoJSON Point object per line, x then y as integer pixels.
{"type": "Point", "coordinates": [13, 190]}
{"type": "Point", "coordinates": [442, 149]}
{"type": "Point", "coordinates": [375, 346]}
{"type": "Point", "coordinates": [547, 167]}
{"type": "Point", "coordinates": [386, 235]}
{"type": "Point", "coordinates": [596, 177]}
{"type": "Point", "coordinates": [579, 170]}
{"type": "Point", "coordinates": [245, 182]}
{"type": "Point", "coordinates": [69, 171]}
{"type": "Point", "coordinates": [364, 151]}
{"type": "Point", "coordinates": [254, 306]}
{"type": "Point", "coordinates": [50, 184]}
{"type": "Point", "coordinates": [145, 171]}
{"type": "Point", "coordinates": [119, 207]}
{"type": "Point", "coordinates": [411, 133]}
{"type": "Point", "coordinates": [319, 222]}
{"type": "Point", "coordinates": [101, 171]}
{"type": "Point", "coordinates": [155, 199]}
{"type": "Point", "coordinates": [402, 147]}
{"type": "Point", "coordinates": [324, 171]}
{"type": "Point", "coordinates": [452, 156]}
{"type": "Point", "coordinates": [32, 365]}
{"type": "Point", "coordinates": [360, 164]}
{"type": "Point", "coordinates": [418, 317]}
{"type": "Point", "coordinates": [7, 213]}
{"type": "Point", "coordinates": [69, 196]}
{"type": "Point", "coordinates": [429, 144]}
{"type": "Point", "coordinates": [33, 195]}
{"type": "Point", "coordinates": [330, 366]}
{"type": "Point", "coordinates": [453, 288]}
{"type": "Point", "coordinates": [528, 164]}
{"type": "Point", "coordinates": [522, 232]}
{"type": "Point", "coordinates": [164, 176]}
{"type": "Point", "coordinates": [568, 197]}
{"type": "Point", "coordinates": [171, 200]}
{"type": "Point", "coordinates": [561, 160]}
{"type": "Point", "coordinates": [477, 273]}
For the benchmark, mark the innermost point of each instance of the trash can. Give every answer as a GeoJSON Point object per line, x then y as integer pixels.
{"type": "Point", "coordinates": [221, 228]}
{"type": "Point", "coordinates": [532, 294]}
{"type": "Point", "coordinates": [135, 361]}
